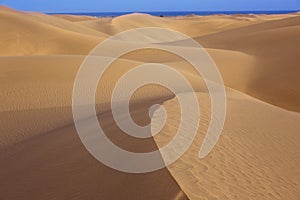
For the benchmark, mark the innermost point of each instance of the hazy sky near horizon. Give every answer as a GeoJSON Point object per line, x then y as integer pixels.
{"type": "Point", "coordinates": [149, 5]}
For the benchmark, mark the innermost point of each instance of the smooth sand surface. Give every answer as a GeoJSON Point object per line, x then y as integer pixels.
{"type": "Point", "coordinates": [257, 156]}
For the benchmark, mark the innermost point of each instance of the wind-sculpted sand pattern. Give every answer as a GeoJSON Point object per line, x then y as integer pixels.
{"type": "Point", "coordinates": [251, 161]}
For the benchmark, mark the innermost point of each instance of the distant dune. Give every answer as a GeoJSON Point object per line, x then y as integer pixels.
{"type": "Point", "coordinates": [257, 156]}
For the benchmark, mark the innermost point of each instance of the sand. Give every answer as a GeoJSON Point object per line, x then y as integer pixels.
{"type": "Point", "coordinates": [257, 156]}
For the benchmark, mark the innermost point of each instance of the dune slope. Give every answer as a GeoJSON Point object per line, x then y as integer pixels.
{"type": "Point", "coordinates": [253, 160]}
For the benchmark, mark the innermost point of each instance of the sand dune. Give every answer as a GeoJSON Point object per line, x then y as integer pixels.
{"type": "Point", "coordinates": [191, 26]}
{"type": "Point", "coordinates": [29, 35]}
{"type": "Point", "coordinates": [274, 44]}
{"type": "Point", "coordinates": [253, 160]}
{"type": "Point", "coordinates": [257, 156]}
{"type": "Point", "coordinates": [74, 18]}
{"type": "Point", "coordinates": [72, 173]}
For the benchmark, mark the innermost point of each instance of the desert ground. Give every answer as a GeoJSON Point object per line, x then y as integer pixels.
{"type": "Point", "coordinates": [257, 156]}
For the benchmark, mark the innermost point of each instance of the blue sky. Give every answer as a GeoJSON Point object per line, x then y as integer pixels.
{"type": "Point", "coordinates": [149, 5]}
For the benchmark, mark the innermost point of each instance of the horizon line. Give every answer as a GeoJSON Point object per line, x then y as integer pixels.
{"type": "Point", "coordinates": [166, 11]}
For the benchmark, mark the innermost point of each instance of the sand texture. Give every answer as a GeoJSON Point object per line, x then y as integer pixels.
{"type": "Point", "coordinates": [257, 156]}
